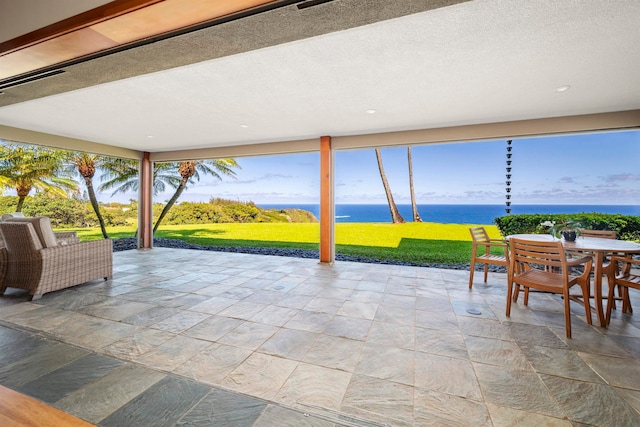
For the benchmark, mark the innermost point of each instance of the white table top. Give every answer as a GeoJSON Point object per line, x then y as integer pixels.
{"type": "Point", "coordinates": [595, 244]}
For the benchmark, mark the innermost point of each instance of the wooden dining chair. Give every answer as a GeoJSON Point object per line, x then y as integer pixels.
{"type": "Point", "coordinates": [543, 265]}
{"type": "Point", "coordinates": [603, 234]}
{"type": "Point", "coordinates": [481, 252]}
{"type": "Point", "coordinates": [625, 279]}
{"type": "Point", "coordinates": [610, 268]}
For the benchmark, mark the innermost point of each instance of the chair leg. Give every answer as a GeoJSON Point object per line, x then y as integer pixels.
{"type": "Point", "coordinates": [516, 293]}
{"type": "Point", "coordinates": [509, 296]}
{"type": "Point", "coordinates": [486, 272]}
{"type": "Point", "coordinates": [567, 314]}
{"type": "Point", "coordinates": [34, 297]}
{"type": "Point", "coordinates": [626, 302]}
{"type": "Point", "coordinates": [610, 302]}
{"type": "Point", "coordinates": [526, 296]}
{"type": "Point", "coordinates": [586, 295]}
{"type": "Point", "coordinates": [473, 266]}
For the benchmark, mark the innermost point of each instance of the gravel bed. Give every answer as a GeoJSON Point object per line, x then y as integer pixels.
{"type": "Point", "coordinates": [130, 243]}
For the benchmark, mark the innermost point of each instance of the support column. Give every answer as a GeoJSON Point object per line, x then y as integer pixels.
{"type": "Point", "coordinates": [145, 203]}
{"type": "Point", "coordinates": [327, 205]}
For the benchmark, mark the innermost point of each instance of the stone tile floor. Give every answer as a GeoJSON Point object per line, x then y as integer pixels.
{"type": "Point", "coordinates": [183, 337]}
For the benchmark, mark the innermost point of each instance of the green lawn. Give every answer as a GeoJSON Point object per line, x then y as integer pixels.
{"type": "Point", "coordinates": [412, 242]}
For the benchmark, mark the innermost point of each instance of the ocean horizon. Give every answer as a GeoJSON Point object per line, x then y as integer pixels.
{"type": "Point", "coordinates": [451, 214]}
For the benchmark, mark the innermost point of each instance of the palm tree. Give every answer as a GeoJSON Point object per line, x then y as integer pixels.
{"type": "Point", "coordinates": [123, 176]}
{"type": "Point", "coordinates": [190, 170]}
{"type": "Point", "coordinates": [414, 207]}
{"type": "Point", "coordinates": [4, 181]}
{"type": "Point", "coordinates": [24, 168]}
{"type": "Point", "coordinates": [86, 165]}
{"type": "Point", "coordinates": [396, 218]}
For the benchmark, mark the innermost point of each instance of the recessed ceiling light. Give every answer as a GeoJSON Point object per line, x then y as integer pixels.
{"type": "Point", "coordinates": [372, 111]}
{"type": "Point", "coordinates": [244, 126]}
{"type": "Point", "coordinates": [563, 88]}
{"type": "Point", "coordinates": [149, 136]}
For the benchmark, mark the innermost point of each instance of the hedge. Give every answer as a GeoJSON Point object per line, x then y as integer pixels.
{"type": "Point", "coordinates": [626, 226]}
{"type": "Point", "coordinates": [235, 212]}
{"type": "Point", "coordinates": [70, 212]}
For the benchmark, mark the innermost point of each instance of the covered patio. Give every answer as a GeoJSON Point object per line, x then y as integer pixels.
{"type": "Point", "coordinates": [181, 337]}
{"type": "Point", "coordinates": [165, 81]}
{"type": "Point", "coordinates": [240, 339]}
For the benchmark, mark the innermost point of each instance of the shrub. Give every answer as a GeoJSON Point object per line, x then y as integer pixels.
{"type": "Point", "coordinates": [226, 211]}
{"type": "Point", "coordinates": [70, 212]}
{"type": "Point", "coordinates": [627, 226]}
{"type": "Point", "coordinates": [63, 212]}
{"type": "Point", "coordinates": [8, 204]}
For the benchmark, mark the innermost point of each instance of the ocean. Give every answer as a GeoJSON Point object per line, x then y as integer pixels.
{"type": "Point", "coordinates": [453, 214]}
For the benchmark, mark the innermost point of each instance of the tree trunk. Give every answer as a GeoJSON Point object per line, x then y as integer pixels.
{"type": "Point", "coordinates": [94, 204]}
{"type": "Point", "coordinates": [396, 218]}
{"type": "Point", "coordinates": [22, 192]}
{"type": "Point", "coordinates": [414, 206]}
{"type": "Point", "coordinates": [170, 203]}
{"type": "Point", "coordinates": [20, 203]}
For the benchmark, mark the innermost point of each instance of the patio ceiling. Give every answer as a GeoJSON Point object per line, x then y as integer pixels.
{"type": "Point", "coordinates": [295, 75]}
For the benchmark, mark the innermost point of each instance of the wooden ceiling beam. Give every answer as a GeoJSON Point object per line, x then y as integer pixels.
{"type": "Point", "coordinates": [112, 25]}
{"type": "Point", "coordinates": [99, 14]}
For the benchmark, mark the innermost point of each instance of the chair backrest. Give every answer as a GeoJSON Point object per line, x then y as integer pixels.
{"type": "Point", "coordinates": [42, 227]}
{"type": "Point", "coordinates": [6, 217]}
{"type": "Point", "coordinates": [20, 239]}
{"type": "Point", "coordinates": [12, 215]}
{"type": "Point", "coordinates": [537, 254]}
{"type": "Point", "coordinates": [603, 234]}
{"type": "Point", "coordinates": [479, 234]}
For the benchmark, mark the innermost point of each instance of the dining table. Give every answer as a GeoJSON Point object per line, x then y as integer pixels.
{"type": "Point", "coordinates": [600, 248]}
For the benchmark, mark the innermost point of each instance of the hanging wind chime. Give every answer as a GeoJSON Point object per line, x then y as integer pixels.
{"type": "Point", "coordinates": [508, 182]}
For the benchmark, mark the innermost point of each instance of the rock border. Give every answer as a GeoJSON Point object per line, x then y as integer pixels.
{"type": "Point", "coordinates": [129, 243]}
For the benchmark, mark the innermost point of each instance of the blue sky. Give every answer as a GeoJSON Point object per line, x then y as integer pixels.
{"type": "Point", "coordinates": [602, 169]}
{"type": "Point", "coordinates": [590, 169]}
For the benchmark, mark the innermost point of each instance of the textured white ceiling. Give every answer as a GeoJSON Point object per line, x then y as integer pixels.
{"type": "Point", "coordinates": [478, 62]}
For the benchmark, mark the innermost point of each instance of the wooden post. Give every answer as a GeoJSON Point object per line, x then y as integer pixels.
{"type": "Point", "coordinates": [145, 203]}
{"type": "Point", "coordinates": [327, 207]}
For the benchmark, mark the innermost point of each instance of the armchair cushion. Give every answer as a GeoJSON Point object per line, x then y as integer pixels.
{"type": "Point", "coordinates": [12, 215]}
{"type": "Point", "coordinates": [43, 228]}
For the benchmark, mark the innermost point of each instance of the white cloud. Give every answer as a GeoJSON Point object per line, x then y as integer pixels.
{"type": "Point", "coordinates": [624, 177]}
{"type": "Point", "coordinates": [566, 180]}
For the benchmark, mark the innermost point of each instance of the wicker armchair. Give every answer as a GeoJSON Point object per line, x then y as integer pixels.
{"type": "Point", "coordinates": [41, 268]}
{"type": "Point", "coordinates": [3, 262]}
